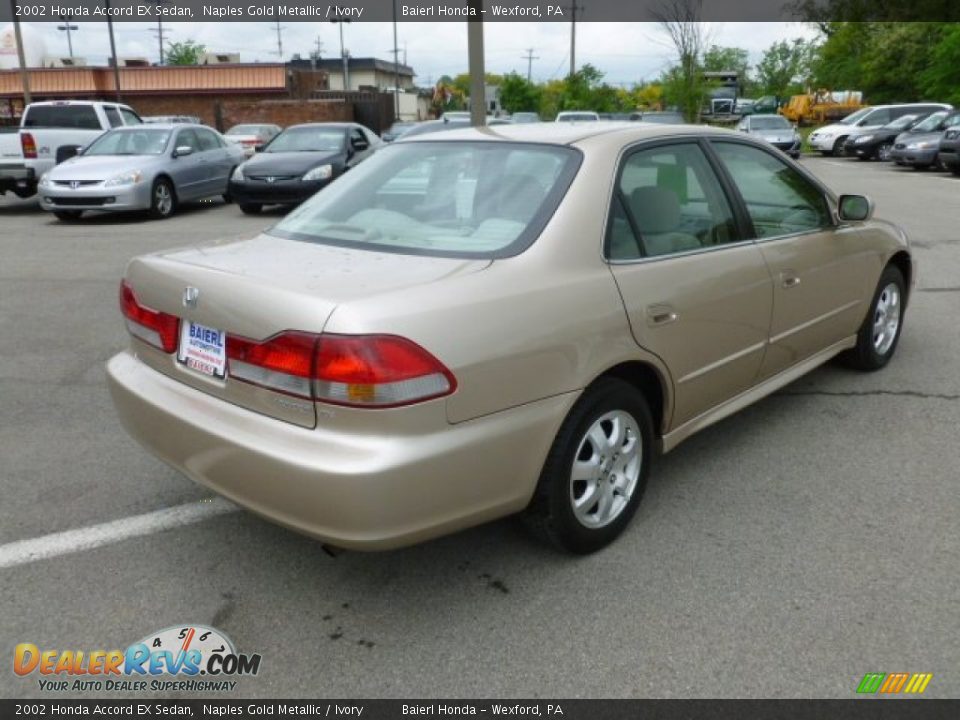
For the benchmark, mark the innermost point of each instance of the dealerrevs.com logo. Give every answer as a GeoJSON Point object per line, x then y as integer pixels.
{"type": "Point", "coordinates": [180, 658]}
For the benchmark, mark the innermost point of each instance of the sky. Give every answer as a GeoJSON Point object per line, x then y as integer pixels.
{"type": "Point", "coordinates": [626, 52]}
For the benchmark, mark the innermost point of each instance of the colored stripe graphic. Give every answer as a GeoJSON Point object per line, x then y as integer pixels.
{"type": "Point", "coordinates": [918, 683]}
{"type": "Point", "coordinates": [893, 683]}
{"type": "Point", "coordinates": [871, 683]}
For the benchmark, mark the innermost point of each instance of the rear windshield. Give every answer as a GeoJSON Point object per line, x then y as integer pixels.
{"type": "Point", "coordinates": [248, 130]}
{"type": "Point", "coordinates": [448, 199]}
{"type": "Point", "coordinates": [62, 116]}
{"type": "Point", "coordinates": [142, 141]}
{"type": "Point", "coordinates": [307, 139]}
{"type": "Point", "coordinates": [769, 123]}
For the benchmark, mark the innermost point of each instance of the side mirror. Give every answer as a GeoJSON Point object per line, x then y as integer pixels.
{"type": "Point", "coordinates": [182, 150]}
{"type": "Point", "coordinates": [360, 145]}
{"type": "Point", "coordinates": [855, 208]}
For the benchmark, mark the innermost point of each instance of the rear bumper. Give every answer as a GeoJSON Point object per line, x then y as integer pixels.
{"type": "Point", "coordinates": [286, 192]}
{"type": "Point", "coordinates": [17, 178]}
{"type": "Point", "coordinates": [358, 491]}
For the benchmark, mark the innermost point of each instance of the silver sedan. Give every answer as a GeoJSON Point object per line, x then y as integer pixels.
{"type": "Point", "coordinates": [141, 168]}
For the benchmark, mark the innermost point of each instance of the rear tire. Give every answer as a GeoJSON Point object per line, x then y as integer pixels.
{"type": "Point", "coordinates": [250, 208]}
{"type": "Point", "coordinates": [67, 215]}
{"type": "Point", "coordinates": [596, 471]}
{"type": "Point", "coordinates": [163, 199]}
{"type": "Point", "coordinates": [879, 334]}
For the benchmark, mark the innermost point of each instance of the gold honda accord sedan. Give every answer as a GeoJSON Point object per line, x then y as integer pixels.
{"type": "Point", "coordinates": [485, 322]}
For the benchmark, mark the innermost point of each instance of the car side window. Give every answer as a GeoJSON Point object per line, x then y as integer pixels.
{"type": "Point", "coordinates": [130, 117]}
{"type": "Point", "coordinates": [357, 140]}
{"type": "Point", "coordinates": [207, 139]}
{"type": "Point", "coordinates": [113, 117]}
{"type": "Point", "coordinates": [779, 199]}
{"type": "Point", "coordinates": [188, 138]}
{"type": "Point", "coordinates": [668, 200]}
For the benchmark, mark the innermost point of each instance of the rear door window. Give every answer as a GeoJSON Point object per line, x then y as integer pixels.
{"type": "Point", "coordinates": [82, 117]}
{"type": "Point", "coordinates": [130, 117]}
{"type": "Point", "coordinates": [113, 117]}
{"type": "Point", "coordinates": [668, 200]}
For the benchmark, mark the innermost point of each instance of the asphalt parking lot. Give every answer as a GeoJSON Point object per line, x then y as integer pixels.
{"type": "Point", "coordinates": [784, 552]}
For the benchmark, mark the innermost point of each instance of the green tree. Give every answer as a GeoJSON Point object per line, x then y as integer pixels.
{"type": "Point", "coordinates": [839, 64]}
{"type": "Point", "coordinates": [895, 61]}
{"type": "Point", "coordinates": [187, 52]}
{"type": "Point", "coordinates": [683, 85]}
{"type": "Point", "coordinates": [939, 80]}
{"type": "Point", "coordinates": [517, 94]}
{"type": "Point", "coordinates": [719, 59]}
{"type": "Point", "coordinates": [784, 68]}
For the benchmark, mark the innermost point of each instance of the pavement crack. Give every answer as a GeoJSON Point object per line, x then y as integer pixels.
{"type": "Point", "coordinates": [866, 393]}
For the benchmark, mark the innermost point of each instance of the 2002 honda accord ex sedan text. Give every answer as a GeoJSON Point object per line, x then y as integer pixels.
{"type": "Point", "coordinates": [489, 321]}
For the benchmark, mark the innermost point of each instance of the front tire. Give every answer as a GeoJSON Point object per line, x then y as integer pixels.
{"type": "Point", "coordinates": [163, 199]}
{"type": "Point", "coordinates": [883, 152]}
{"type": "Point", "coordinates": [838, 146]}
{"type": "Point", "coordinates": [596, 471]}
{"type": "Point", "coordinates": [880, 332]}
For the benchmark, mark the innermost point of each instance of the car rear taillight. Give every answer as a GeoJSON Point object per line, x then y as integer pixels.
{"type": "Point", "coordinates": [28, 145]}
{"type": "Point", "coordinates": [356, 370]}
{"type": "Point", "coordinates": [152, 326]}
{"type": "Point", "coordinates": [378, 371]}
{"type": "Point", "coordinates": [284, 362]}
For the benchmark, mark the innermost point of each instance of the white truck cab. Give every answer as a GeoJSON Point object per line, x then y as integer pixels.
{"type": "Point", "coordinates": [53, 131]}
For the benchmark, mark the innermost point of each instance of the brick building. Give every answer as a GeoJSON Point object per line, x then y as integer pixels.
{"type": "Point", "coordinates": [221, 95]}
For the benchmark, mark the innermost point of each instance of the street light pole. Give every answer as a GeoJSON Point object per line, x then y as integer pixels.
{"type": "Point", "coordinates": [343, 55]}
{"type": "Point", "coordinates": [68, 27]}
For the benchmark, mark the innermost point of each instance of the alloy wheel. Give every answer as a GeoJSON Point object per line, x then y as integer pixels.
{"type": "Point", "coordinates": [606, 469]}
{"type": "Point", "coordinates": [886, 319]}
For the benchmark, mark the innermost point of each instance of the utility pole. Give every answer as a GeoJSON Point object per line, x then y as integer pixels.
{"type": "Point", "coordinates": [24, 75]}
{"type": "Point", "coordinates": [113, 51]}
{"type": "Point", "coordinates": [573, 37]}
{"type": "Point", "coordinates": [396, 67]}
{"type": "Point", "coordinates": [530, 57]}
{"type": "Point", "coordinates": [478, 102]}
{"type": "Point", "coordinates": [68, 27]}
{"type": "Point", "coordinates": [279, 41]}
{"type": "Point", "coordinates": [160, 31]}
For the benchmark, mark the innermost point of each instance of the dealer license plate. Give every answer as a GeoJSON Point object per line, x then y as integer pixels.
{"type": "Point", "coordinates": [203, 349]}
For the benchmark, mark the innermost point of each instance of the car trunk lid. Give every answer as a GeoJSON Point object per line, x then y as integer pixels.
{"type": "Point", "coordinates": [259, 288]}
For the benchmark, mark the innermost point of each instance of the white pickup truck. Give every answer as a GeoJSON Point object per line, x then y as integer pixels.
{"type": "Point", "coordinates": [51, 132]}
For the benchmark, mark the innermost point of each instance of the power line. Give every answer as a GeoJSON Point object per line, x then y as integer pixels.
{"type": "Point", "coordinates": [530, 57]}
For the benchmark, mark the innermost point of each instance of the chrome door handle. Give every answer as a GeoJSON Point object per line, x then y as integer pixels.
{"type": "Point", "coordinates": [661, 315]}
{"type": "Point", "coordinates": [789, 281]}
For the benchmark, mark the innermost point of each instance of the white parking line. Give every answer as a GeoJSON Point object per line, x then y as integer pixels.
{"type": "Point", "coordinates": [94, 536]}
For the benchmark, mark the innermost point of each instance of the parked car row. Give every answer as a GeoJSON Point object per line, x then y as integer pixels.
{"type": "Point", "coordinates": [832, 139]}
{"type": "Point", "coordinates": [926, 137]}
{"type": "Point", "coordinates": [156, 166]}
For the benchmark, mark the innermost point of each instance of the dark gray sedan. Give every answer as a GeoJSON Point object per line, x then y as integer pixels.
{"type": "Point", "coordinates": [141, 168]}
